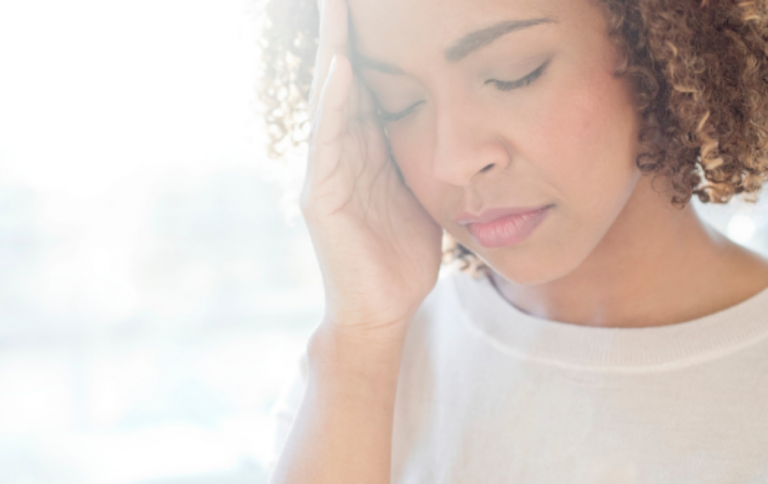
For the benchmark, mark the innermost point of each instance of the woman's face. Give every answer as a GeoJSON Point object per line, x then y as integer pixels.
{"type": "Point", "coordinates": [468, 139]}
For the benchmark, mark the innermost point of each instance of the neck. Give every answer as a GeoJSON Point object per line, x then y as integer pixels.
{"type": "Point", "coordinates": [657, 265]}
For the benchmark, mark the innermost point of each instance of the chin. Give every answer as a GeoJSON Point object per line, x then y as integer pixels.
{"type": "Point", "coordinates": [538, 265]}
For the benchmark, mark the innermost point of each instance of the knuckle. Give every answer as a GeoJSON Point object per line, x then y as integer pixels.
{"type": "Point", "coordinates": [306, 206]}
{"type": "Point", "coordinates": [305, 195]}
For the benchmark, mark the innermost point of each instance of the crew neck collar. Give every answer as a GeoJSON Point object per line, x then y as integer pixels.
{"type": "Point", "coordinates": [588, 348]}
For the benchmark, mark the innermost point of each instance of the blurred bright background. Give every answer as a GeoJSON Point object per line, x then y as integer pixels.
{"type": "Point", "coordinates": [156, 285]}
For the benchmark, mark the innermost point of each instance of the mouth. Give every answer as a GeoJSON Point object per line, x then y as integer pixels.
{"type": "Point", "coordinates": [508, 229]}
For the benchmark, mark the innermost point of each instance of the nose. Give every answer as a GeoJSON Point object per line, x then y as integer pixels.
{"type": "Point", "coordinates": [467, 146]}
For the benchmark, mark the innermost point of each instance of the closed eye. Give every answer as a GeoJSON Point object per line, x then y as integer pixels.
{"type": "Point", "coordinates": [387, 117]}
{"type": "Point", "coordinates": [509, 85]}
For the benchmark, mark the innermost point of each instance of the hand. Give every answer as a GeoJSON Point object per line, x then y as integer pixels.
{"type": "Point", "coordinates": [379, 250]}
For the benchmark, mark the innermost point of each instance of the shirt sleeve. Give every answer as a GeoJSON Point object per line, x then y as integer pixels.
{"type": "Point", "coordinates": [283, 412]}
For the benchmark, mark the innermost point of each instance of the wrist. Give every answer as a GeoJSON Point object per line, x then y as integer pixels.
{"type": "Point", "coordinates": [344, 352]}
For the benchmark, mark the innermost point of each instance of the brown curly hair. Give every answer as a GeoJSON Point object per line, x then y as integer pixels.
{"type": "Point", "coordinates": [699, 69]}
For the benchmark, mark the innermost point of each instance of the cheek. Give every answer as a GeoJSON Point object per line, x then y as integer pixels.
{"type": "Point", "coordinates": [412, 150]}
{"type": "Point", "coordinates": [587, 134]}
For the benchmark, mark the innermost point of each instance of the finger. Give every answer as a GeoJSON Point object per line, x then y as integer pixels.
{"type": "Point", "coordinates": [361, 106]}
{"type": "Point", "coordinates": [333, 41]}
{"type": "Point", "coordinates": [330, 121]}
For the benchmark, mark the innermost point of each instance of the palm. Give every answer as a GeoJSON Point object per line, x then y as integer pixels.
{"type": "Point", "coordinates": [389, 244]}
{"type": "Point", "coordinates": [378, 249]}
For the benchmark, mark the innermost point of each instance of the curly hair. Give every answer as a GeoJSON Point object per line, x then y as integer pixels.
{"type": "Point", "coordinates": [699, 69]}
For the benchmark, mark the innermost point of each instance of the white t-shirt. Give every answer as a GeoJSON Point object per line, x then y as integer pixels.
{"type": "Point", "coordinates": [488, 394]}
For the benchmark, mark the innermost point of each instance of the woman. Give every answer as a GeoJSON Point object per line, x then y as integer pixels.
{"type": "Point", "coordinates": [611, 336]}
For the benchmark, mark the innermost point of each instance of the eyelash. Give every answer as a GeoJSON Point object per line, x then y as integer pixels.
{"type": "Point", "coordinates": [508, 86]}
{"type": "Point", "coordinates": [386, 117]}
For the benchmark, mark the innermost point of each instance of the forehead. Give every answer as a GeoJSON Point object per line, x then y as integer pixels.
{"type": "Point", "coordinates": [391, 29]}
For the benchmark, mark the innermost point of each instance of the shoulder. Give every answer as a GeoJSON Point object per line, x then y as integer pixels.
{"type": "Point", "coordinates": [743, 273]}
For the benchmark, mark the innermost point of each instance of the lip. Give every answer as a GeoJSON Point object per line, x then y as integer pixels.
{"type": "Point", "coordinates": [493, 214]}
{"type": "Point", "coordinates": [504, 227]}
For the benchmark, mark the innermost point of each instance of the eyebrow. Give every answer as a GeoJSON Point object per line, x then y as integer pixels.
{"type": "Point", "coordinates": [471, 42]}
{"type": "Point", "coordinates": [461, 48]}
